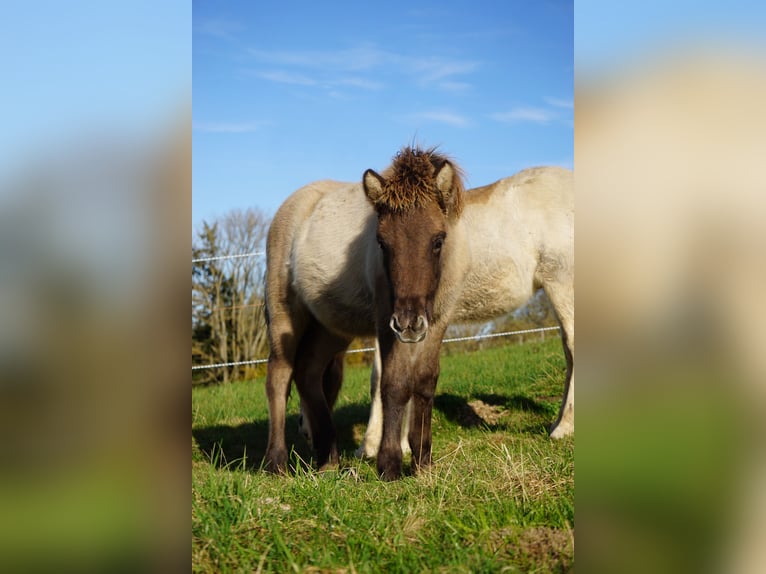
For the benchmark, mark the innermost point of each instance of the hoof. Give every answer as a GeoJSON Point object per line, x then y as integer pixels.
{"type": "Point", "coordinates": [276, 463]}
{"type": "Point", "coordinates": [423, 465]}
{"type": "Point", "coordinates": [329, 466]}
{"type": "Point", "coordinates": [365, 451]}
{"type": "Point", "coordinates": [561, 430]}
{"type": "Point", "coordinates": [328, 460]}
{"type": "Point", "coordinates": [360, 453]}
{"type": "Point", "coordinates": [390, 476]}
{"type": "Point", "coordinates": [389, 466]}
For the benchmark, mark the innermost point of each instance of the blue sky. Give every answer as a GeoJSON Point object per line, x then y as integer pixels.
{"type": "Point", "coordinates": [288, 93]}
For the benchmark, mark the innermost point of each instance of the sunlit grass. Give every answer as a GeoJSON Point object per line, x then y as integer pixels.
{"type": "Point", "coordinates": [500, 493]}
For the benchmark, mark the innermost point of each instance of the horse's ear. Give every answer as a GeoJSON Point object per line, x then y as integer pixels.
{"type": "Point", "coordinates": [373, 186]}
{"type": "Point", "coordinates": [445, 185]}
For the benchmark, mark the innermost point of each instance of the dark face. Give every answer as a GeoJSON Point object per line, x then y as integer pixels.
{"type": "Point", "coordinates": [413, 202]}
{"type": "Point", "coordinates": [411, 243]}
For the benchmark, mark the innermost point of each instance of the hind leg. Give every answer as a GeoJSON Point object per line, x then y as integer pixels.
{"type": "Point", "coordinates": [285, 330]}
{"type": "Point", "coordinates": [371, 440]}
{"type": "Point", "coordinates": [332, 379]}
{"type": "Point", "coordinates": [331, 383]}
{"type": "Point", "coordinates": [316, 373]}
{"type": "Point", "coordinates": [561, 296]}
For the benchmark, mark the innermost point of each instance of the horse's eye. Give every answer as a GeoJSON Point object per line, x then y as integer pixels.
{"type": "Point", "coordinates": [438, 242]}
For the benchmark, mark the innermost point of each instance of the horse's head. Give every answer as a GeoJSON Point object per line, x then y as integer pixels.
{"type": "Point", "coordinates": [416, 200]}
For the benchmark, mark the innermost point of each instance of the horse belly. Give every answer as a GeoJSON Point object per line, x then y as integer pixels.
{"type": "Point", "coordinates": [348, 316]}
{"type": "Point", "coordinates": [490, 295]}
{"type": "Point", "coordinates": [329, 276]}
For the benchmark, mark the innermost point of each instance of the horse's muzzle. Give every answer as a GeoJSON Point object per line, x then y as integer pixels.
{"type": "Point", "coordinates": [409, 328]}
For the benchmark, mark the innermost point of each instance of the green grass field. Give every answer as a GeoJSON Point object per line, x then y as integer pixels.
{"type": "Point", "coordinates": [499, 497]}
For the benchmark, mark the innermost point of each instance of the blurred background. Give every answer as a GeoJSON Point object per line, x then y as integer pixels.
{"type": "Point", "coordinates": [95, 209]}
{"type": "Point", "coordinates": [669, 144]}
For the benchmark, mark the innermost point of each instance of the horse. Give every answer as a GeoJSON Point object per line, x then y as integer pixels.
{"type": "Point", "coordinates": [399, 257]}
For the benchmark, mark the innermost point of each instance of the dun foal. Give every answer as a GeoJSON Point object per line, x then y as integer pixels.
{"type": "Point", "coordinates": [401, 260]}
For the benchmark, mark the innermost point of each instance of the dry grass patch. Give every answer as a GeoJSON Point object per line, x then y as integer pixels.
{"type": "Point", "coordinates": [539, 549]}
{"type": "Point", "coordinates": [487, 414]}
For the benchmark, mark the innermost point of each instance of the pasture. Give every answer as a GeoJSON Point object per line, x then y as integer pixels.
{"type": "Point", "coordinates": [499, 496]}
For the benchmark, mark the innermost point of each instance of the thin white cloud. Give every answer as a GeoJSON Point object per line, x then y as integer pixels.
{"type": "Point", "coordinates": [359, 58]}
{"type": "Point", "coordinates": [455, 86]}
{"type": "Point", "coordinates": [560, 103]}
{"type": "Point", "coordinates": [367, 59]}
{"type": "Point", "coordinates": [362, 83]}
{"type": "Point", "coordinates": [526, 114]}
{"type": "Point", "coordinates": [442, 117]}
{"type": "Point", "coordinates": [299, 79]}
{"type": "Point", "coordinates": [226, 127]}
{"type": "Point", "coordinates": [217, 28]}
{"type": "Point", "coordinates": [434, 69]}
{"type": "Point", "coordinates": [282, 77]}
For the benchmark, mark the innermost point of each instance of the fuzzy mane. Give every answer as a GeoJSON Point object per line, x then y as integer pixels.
{"type": "Point", "coordinates": [411, 181]}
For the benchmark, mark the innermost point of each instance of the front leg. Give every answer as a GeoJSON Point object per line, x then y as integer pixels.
{"type": "Point", "coordinates": [420, 425]}
{"type": "Point", "coordinates": [395, 394]}
{"type": "Point", "coordinates": [372, 436]}
{"type": "Point", "coordinates": [426, 377]}
{"type": "Point", "coordinates": [410, 372]}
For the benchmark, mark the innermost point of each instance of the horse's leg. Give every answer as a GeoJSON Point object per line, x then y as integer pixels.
{"type": "Point", "coordinates": [319, 348]}
{"type": "Point", "coordinates": [285, 330]}
{"type": "Point", "coordinates": [371, 441]}
{"type": "Point", "coordinates": [331, 383]}
{"type": "Point", "coordinates": [426, 377]}
{"type": "Point", "coordinates": [561, 296]}
{"type": "Point", "coordinates": [405, 439]}
{"type": "Point", "coordinates": [395, 393]}
{"type": "Point", "coordinates": [332, 379]}
{"type": "Point", "coordinates": [420, 426]}
{"type": "Point", "coordinates": [408, 383]}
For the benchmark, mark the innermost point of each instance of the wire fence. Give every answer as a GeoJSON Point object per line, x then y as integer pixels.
{"type": "Point", "coordinates": [221, 257]}
{"type": "Point", "coordinates": [369, 349]}
{"type": "Point", "coordinates": [364, 350]}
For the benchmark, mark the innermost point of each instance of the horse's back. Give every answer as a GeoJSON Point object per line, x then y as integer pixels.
{"type": "Point", "coordinates": [541, 202]}
{"type": "Point", "coordinates": [519, 229]}
{"type": "Point", "coordinates": [545, 190]}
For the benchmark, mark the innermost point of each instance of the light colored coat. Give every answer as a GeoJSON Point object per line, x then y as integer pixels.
{"type": "Point", "coordinates": [513, 237]}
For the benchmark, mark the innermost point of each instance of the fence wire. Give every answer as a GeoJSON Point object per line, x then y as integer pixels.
{"type": "Point", "coordinates": [368, 349]}
{"type": "Point", "coordinates": [219, 257]}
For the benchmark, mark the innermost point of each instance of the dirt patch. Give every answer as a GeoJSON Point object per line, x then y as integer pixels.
{"type": "Point", "coordinates": [477, 413]}
{"type": "Point", "coordinates": [546, 548]}
{"type": "Point", "coordinates": [536, 549]}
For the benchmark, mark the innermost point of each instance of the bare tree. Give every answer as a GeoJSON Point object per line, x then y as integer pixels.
{"type": "Point", "coordinates": [228, 315]}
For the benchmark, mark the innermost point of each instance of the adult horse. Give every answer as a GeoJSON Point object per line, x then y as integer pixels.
{"type": "Point", "coordinates": [400, 257]}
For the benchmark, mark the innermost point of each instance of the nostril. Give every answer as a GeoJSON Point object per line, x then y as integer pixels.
{"type": "Point", "coordinates": [394, 324]}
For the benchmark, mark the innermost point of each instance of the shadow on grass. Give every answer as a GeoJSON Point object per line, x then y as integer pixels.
{"type": "Point", "coordinates": [227, 445]}
{"type": "Point", "coordinates": [485, 410]}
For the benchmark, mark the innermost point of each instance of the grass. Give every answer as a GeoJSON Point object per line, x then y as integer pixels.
{"type": "Point", "coordinates": [499, 497]}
